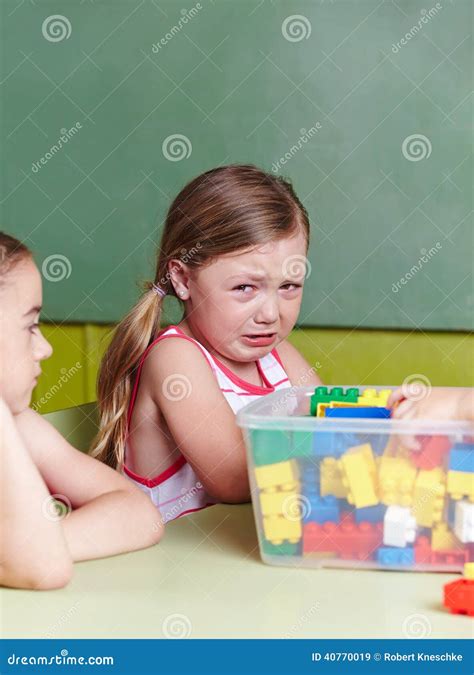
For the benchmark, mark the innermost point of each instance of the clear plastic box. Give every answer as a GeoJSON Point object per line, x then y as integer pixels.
{"type": "Point", "coordinates": [342, 492]}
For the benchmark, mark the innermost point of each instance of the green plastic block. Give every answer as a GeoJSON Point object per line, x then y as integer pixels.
{"type": "Point", "coordinates": [323, 395]}
{"type": "Point", "coordinates": [270, 446]}
{"type": "Point", "coordinates": [281, 549]}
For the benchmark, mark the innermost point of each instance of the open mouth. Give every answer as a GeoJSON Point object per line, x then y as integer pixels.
{"type": "Point", "coordinates": [261, 335]}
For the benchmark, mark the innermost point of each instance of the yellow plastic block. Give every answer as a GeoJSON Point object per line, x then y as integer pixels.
{"type": "Point", "coordinates": [396, 480]}
{"type": "Point", "coordinates": [442, 538]}
{"type": "Point", "coordinates": [358, 476]}
{"type": "Point", "coordinates": [461, 484]}
{"type": "Point", "coordinates": [469, 570]}
{"type": "Point", "coordinates": [285, 502]}
{"type": "Point", "coordinates": [278, 529]}
{"type": "Point", "coordinates": [283, 474]}
{"type": "Point", "coordinates": [331, 479]}
{"type": "Point", "coordinates": [370, 397]}
{"type": "Point", "coordinates": [428, 497]}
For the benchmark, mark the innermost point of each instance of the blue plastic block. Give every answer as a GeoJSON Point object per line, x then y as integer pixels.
{"type": "Point", "coordinates": [379, 413]}
{"type": "Point", "coordinates": [370, 514]}
{"type": "Point", "coordinates": [321, 509]}
{"type": "Point", "coordinates": [389, 555]}
{"type": "Point", "coordinates": [461, 458]}
{"type": "Point", "coordinates": [332, 443]}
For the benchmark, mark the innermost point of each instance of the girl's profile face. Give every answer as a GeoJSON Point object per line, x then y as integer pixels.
{"type": "Point", "coordinates": [22, 346]}
{"type": "Point", "coordinates": [255, 292]}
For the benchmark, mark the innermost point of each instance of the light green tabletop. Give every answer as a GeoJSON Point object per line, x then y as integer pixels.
{"type": "Point", "coordinates": [206, 579]}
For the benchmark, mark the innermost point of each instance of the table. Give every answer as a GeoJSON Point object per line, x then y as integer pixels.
{"type": "Point", "coordinates": [205, 579]}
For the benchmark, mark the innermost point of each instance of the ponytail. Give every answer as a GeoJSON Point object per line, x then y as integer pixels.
{"type": "Point", "coordinates": [116, 374]}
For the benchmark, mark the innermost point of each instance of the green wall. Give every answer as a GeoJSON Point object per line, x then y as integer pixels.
{"type": "Point", "coordinates": [342, 356]}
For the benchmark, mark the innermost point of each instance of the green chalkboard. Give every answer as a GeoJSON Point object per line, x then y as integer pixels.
{"type": "Point", "coordinates": [366, 105]}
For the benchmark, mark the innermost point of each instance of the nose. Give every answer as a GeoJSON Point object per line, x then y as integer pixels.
{"type": "Point", "coordinates": [43, 349]}
{"type": "Point", "coordinates": [268, 310]}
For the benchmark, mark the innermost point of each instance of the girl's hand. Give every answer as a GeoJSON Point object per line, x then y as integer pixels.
{"type": "Point", "coordinates": [441, 403]}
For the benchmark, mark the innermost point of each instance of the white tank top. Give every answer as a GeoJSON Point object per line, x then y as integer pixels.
{"type": "Point", "coordinates": [177, 490]}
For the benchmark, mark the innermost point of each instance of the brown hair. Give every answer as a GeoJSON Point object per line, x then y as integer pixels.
{"type": "Point", "coordinates": [12, 251]}
{"type": "Point", "coordinates": [222, 211]}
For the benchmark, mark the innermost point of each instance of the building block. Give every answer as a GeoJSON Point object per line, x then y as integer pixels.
{"type": "Point", "coordinates": [459, 596]}
{"type": "Point", "coordinates": [358, 471]}
{"type": "Point", "coordinates": [282, 474]}
{"type": "Point", "coordinates": [395, 556]}
{"type": "Point", "coordinates": [359, 411]}
{"type": "Point", "coordinates": [323, 395]}
{"type": "Point", "coordinates": [423, 550]}
{"type": "Point", "coordinates": [332, 443]}
{"type": "Point", "coordinates": [469, 570]}
{"type": "Point", "coordinates": [461, 484]}
{"type": "Point", "coordinates": [348, 539]}
{"type": "Point", "coordinates": [370, 514]}
{"type": "Point", "coordinates": [270, 445]}
{"type": "Point", "coordinates": [461, 458]}
{"type": "Point", "coordinates": [432, 453]}
{"type": "Point", "coordinates": [428, 496]}
{"type": "Point", "coordinates": [372, 397]}
{"type": "Point", "coordinates": [443, 538]}
{"type": "Point", "coordinates": [323, 510]}
{"type": "Point", "coordinates": [331, 479]}
{"type": "Point", "coordinates": [424, 554]}
{"type": "Point", "coordinates": [285, 502]}
{"type": "Point", "coordinates": [280, 549]}
{"type": "Point", "coordinates": [399, 526]}
{"type": "Point", "coordinates": [464, 522]}
{"type": "Point", "coordinates": [278, 529]}
{"type": "Point", "coordinates": [396, 479]}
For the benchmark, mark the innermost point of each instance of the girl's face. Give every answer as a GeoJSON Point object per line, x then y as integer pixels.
{"type": "Point", "coordinates": [253, 293]}
{"type": "Point", "coordinates": [22, 346]}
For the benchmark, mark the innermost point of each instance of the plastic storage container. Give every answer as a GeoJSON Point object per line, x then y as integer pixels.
{"type": "Point", "coordinates": [352, 492]}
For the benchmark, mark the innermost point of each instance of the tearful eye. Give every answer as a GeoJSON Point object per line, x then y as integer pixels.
{"type": "Point", "coordinates": [242, 286]}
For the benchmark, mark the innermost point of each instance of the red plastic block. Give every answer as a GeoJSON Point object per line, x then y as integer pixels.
{"type": "Point", "coordinates": [348, 539]}
{"type": "Point", "coordinates": [432, 453]}
{"type": "Point", "coordinates": [422, 550]}
{"type": "Point", "coordinates": [459, 596]}
{"type": "Point", "coordinates": [425, 554]}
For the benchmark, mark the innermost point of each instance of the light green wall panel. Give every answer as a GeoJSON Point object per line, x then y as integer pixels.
{"type": "Point", "coordinates": [340, 356]}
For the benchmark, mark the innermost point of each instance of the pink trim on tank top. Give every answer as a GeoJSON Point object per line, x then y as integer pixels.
{"type": "Point", "coordinates": [251, 389]}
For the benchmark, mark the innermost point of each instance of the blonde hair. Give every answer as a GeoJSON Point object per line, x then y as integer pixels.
{"type": "Point", "coordinates": [222, 211]}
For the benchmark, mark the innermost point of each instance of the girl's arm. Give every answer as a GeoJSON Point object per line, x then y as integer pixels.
{"type": "Point", "coordinates": [201, 422]}
{"type": "Point", "coordinates": [33, 550]}
{"type": "Point", "coordinates": [299, 372]}
{"type": "Point", "coordinates": [109, 514]}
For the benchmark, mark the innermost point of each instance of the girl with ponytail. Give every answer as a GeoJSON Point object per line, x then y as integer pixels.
{"type": "Point", "coordinates": [233, 252]}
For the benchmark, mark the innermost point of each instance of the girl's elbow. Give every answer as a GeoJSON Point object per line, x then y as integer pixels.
{"type": "Point", "coordinates": [38, 578]}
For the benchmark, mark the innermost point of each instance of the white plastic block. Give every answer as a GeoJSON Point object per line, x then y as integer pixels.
{"type": "Point", "coordinates": [399, 526]}
{"type": "Point", "coordinates": [464, 521]}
